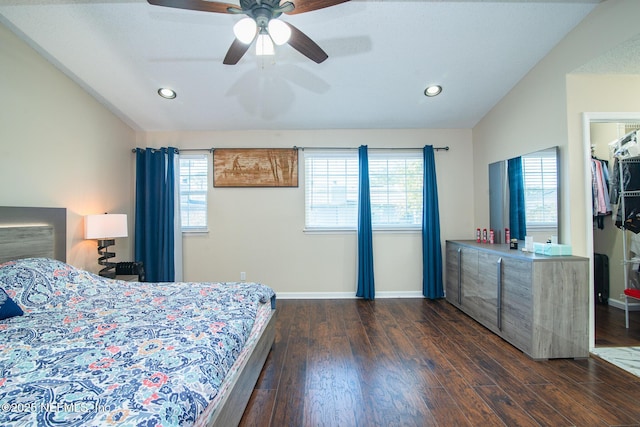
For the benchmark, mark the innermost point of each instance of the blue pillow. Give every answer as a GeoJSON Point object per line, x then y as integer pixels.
{"type": "Point", "coordinates": [8, 308]}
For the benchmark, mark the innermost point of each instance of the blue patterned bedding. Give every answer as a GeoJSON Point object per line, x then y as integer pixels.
{"type": "Point", "coordinates": [93, 351]}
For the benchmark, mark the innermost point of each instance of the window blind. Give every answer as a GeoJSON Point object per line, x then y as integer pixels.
{"type": "Point", "coordinates": [194, 184]}
{"type": "Point", "coordinates": [331, 189]}
{"type": "Point", "coordinates": [540, 186]}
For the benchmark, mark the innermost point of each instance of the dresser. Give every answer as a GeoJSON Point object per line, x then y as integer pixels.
{"type": "Point", "coordinates": [538, 303]}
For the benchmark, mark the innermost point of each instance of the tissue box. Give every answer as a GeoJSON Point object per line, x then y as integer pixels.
{"type": "Point", "coordinates": [539, 247]}
{"type": "Point", "coordinates": [552, 249]}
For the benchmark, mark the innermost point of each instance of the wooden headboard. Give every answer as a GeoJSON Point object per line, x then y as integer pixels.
{"type": "Point", "coordinates": [33, 232]}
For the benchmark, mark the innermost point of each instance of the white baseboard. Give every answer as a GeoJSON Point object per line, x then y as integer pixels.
{"type": "Point", "coordinates": [346, 295]}
{"type": "Point", "coordinates": [633, 306]}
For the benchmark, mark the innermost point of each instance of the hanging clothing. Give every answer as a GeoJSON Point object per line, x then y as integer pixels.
{"type": "Point", "coordinates": [630, 182]}
{"type": "Point", "coordinates": [626, 177]}
{"type": "Point", "coordinates": [600, 191]}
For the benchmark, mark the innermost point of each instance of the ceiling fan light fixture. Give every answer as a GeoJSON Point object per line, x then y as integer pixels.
{"type": "Point", "coordinates": [245, 30]}
{"type": "Point", "coordinates": [264, 45]}
{"type": "Point", "coordinates": [167, 93]}
{"type": "Point", "coordinates": [279, 31]}
{"type": "Point", "coordinates": [433, 90]}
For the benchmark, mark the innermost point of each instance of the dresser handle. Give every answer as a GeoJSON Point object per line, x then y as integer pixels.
{"type": "Point", "coordinates": [499, 302]}
{"type": "Point", "coordinates": [459, 276]}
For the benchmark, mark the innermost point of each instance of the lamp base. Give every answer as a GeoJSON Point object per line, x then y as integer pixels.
{"type": "Point", "coordinates": [108, 269]}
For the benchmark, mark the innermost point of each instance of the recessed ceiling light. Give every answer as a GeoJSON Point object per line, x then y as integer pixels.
{"type": "Point", "coordinates": [166, 93]}
{"type": "Point", "coordinates": [433, 90]}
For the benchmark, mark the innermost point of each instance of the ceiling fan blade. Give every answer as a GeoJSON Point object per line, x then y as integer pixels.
{"type": "Point", "coordinates": [303, 44]}
{"type": "Point", "coordinates": [235, 52]}
{"type": "Point", "coordinates": [302, 6]}
{"type": "Point", "coordinates": [199, 5]}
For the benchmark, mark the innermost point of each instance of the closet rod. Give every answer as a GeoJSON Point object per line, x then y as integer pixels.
{"type": "Point", "coordinates": [133, 150]}
{"type": "Point", "coordinates": [373, 148]}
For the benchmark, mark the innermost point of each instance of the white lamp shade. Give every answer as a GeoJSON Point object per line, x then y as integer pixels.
{"type": "Point", "coordinates": [264, 45]}
{"type": "Point", "coordinates": [106, 226]}
{"type": "Point", "coordinates": [245, 30]}
{"type": "Point", "coordinates": [279, 31]}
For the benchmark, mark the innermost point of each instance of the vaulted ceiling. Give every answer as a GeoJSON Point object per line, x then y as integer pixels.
{"type": "Point", "coordinates": [382, 55]}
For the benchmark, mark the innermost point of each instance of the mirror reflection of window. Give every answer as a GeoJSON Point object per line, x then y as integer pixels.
{"type": "Point", "coordinates": [540, 189]}
{"type": "Point", "coordinates": [536, 212]}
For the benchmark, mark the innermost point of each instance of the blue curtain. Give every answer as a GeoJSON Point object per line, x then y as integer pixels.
{"type": "Point", "coordinates": [366, 288]}
{"type": "Point", "coordinates": [517, 214]}
{"type": "Point", "coordinates": [431, 248]}
{"type": "Point", "coordinates": [155, 213]}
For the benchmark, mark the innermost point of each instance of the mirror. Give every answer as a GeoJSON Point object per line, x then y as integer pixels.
{"type": "Point", "coordinates": [538, 198]}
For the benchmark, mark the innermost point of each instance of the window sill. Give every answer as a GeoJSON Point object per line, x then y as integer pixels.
{"type": "Point", "coordinates": [389, 230]}
{"type": "Point", "coordinates": [196, 231]}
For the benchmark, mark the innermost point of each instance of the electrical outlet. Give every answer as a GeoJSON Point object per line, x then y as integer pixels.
{"type": "Point", "coordinates": [243, 276]}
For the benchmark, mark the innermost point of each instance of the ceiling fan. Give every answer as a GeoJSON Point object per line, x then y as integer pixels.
{"type": "Point", "coordinates": [261, 24]}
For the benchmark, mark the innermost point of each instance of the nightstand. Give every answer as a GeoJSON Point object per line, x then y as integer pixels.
{"type": "Point", "coordinates": [125, 270]}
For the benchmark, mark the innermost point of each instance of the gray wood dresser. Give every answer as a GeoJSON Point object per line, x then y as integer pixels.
{"type": "Point", "coordinates": [539, 304]}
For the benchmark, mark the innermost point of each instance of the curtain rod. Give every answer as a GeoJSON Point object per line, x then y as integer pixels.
{"type": "Point", "coordinates": [211, 150]}
{"type": "Point", "coordinates": [133, 150]}
{"type": "Point", "coordinates": [373, 148]}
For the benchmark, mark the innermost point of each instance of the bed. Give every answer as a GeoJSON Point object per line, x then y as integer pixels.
{"type": "Point", "coordinates": [94, 351]}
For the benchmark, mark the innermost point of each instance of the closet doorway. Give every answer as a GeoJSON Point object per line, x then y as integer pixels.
{"type": "Point", "coordinates": [609, 337]}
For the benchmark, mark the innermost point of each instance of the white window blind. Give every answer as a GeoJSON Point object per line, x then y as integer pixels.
{"type": "Point", "coordinates": [331, 189]}
{"type": "Point", "coordinates": [540, 188]}
{"type": "Point", "coordinates": [395, 180]}
{"type": "Point", "coordinates": [194, 184]}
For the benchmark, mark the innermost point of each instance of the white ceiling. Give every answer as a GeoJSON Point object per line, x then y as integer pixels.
{"type": "Point", "coordinates": [382, 54]}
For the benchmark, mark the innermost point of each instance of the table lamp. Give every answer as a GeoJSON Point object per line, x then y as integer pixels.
{"type": "Point", "coordinates": [105, 228]}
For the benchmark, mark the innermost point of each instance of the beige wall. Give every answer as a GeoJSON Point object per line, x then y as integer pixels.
{"type": "Point", "coordinates": [60, 148]}
{"type": "Point", "coordinates": [534, 115]}
{"type": "Point", "coordinates": [543, 110]}
{"type": "Point", "coordinates": [601, 94]}
{"type": "Point", "coordinates": [69, 151]}
{"type": "Point", "coordinates": [260, 230]}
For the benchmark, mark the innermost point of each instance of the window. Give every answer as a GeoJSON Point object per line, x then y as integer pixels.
{"type": "Point", "coordinates": [331, 189]}
{"type": "Point", "coordinates": [540, 189]}
{"type": "Point", "coordinates": [194, 184]}
{"type": "Point", "coordinates": [395, 181]}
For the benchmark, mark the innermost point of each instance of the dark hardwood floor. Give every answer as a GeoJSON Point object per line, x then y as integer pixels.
{"type": "Point", "coordinates": [611, 330]}
{"type": "Point", "coordinates": [414, 362]}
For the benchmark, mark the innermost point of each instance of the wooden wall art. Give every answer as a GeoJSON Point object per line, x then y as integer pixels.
{"type": "Point", "coordinates": [255, 167]}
